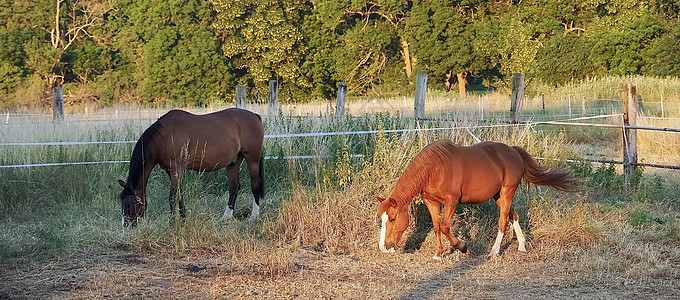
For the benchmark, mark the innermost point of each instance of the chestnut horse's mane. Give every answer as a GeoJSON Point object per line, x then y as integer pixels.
{"type": "Point", "coordinates": [416, 175]}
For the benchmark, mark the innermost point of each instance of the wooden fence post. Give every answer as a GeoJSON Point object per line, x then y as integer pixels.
{"type": "Point", "coordinates": [58, 103]}
{"type": "Point", "coordinates": [340, 100]}
{"type": "Point", "coordinates": [419, 102]}
{"type": "Point", "coordinates": [273, 104]}
{"type": "Point", "coordinates": [241, 96]}
{"type": "Point", "coordinates": [543, 102]}
{"type": "Point", "coordinates": [517, 97]}
{"type": "Point", "coordinates": [583, 106]}
{"type": "Point", "coordinates": [630, 157]}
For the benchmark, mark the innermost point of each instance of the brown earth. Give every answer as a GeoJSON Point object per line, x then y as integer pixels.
{"type": "Point", "coordinates": [539, 274]}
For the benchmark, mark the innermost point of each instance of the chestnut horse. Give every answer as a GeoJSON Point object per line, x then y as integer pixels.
{"type": "Point", "coordinates": [180, 141]}
{"type": "Point", "coordinates": [448, 174]}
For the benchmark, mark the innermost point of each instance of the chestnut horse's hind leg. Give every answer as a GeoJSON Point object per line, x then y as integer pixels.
{"type": "Point", "coordinates": [234, 185]}
{"type": "Point", "coordinates": [518, 231]}
{"type": "Point", "coordinates": [504, 202]}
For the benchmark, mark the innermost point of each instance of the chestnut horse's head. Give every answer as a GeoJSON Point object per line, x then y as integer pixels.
{"type": "Point", "coordinates": [394, 220]}
{"type": "Point", "coordinates": [133, 205]}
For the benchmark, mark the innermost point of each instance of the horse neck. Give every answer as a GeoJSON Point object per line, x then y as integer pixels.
{"type": "Point", "coordinates": [141, 165]}
{"type": "Point", "coordinates": [411, 183]}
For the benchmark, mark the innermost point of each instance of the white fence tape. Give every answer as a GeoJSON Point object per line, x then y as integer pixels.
{"type": "Point", "coordinates": [125, 161]}
{"type": "Point", "coordinates": [321, 134]}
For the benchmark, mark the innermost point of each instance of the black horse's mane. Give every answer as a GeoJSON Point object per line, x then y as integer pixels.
{"type": "Point", "coordinates": [143, 151]}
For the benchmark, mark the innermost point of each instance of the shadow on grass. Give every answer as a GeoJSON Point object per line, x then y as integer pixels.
{"type": "Point", "coordinates": [423, 226]}
{"type": "Point", "coordinates": [444, 279]}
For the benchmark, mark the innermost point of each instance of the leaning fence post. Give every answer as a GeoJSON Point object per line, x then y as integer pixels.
{"type": "Point", "coordinates": [419, 102]}
{"type": "Point", "coordinates": [517, 97]}
{"type": "Point", "coordinates": [241, 96]}
{"type": "Point", "coordinates": [543, 102]}
{"type": "Point", "coordinates": [630, 157]}
{"type": "Point", "coordinates": [273, 104]}
{"type": "Point", "coordinates": [58, 103]}
{"type": "Point", "coordinates": [583, 106]}
{"type": "Point", "coordinates": [340, 100]}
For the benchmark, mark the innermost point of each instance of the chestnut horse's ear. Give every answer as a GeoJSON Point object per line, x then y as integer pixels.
{"type": "Point", "coordinates": [393, 202]}
{"type": "Point", "coordinates": [380, 199]}
{"type": "Point", "coordinates": [122, 183]}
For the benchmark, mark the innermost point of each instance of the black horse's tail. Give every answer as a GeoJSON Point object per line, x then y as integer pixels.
{"type": "Point", "coordinates": [558, 178]}
{"type": "Point", "coordinates": [260, 176]}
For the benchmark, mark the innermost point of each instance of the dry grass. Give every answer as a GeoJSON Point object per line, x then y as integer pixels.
{"type": "Point", "coordinates": [606, 258]}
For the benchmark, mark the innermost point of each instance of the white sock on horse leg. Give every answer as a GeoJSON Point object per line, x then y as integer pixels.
{"type": "Point", "coordinates": [228, 214]}
{"type": "Point", "coordinates": [496, 245]}
{"type": "Point", "coordinates": [255, 212]}
{"type": "Point", "coordinates": [520, 236]}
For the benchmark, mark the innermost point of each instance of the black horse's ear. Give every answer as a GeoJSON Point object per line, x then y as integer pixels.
{"type": "Point", "coordinates": [122, 183]}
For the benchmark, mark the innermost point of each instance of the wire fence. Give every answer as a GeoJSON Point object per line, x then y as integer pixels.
{"type": "Point", "coordinates": [563, 122]}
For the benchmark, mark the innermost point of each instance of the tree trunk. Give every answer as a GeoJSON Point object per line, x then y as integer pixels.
{"type": "Point", "coordinates": [407, 59]}
{"type": "Point", "coordinates": [447, 81]}
{"type": "Point", "coordinates": [462, 82]}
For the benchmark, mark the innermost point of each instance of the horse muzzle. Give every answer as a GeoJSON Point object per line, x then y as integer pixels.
{"type": "Point", "coordinates": [129, 222]}
{"type": "Point", "coordinates": [388, 248]}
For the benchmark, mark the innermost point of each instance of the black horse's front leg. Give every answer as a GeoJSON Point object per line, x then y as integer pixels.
{"type": "Point", "coordinates": [176, 192]}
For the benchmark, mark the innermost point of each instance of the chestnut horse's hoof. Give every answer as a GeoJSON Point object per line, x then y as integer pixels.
{"type": "Point", "coordinates": [463, 249]}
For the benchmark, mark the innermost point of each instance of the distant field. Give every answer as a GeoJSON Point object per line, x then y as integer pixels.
{"type": "Point", "coordinates": [60, 233]}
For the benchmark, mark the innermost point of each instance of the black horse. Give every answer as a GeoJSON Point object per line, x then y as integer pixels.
{"type": "Point", "coordinates": [180, 141]}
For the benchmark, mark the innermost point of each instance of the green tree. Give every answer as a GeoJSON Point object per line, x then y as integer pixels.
{"type": "Point", "coordinates": [169, 50]}
{"type": "Point", "coordinates": [443, 34]}
{"type": "Point", "coordinates": [38, 36]}
{"type": "Point", "coordinates": [263, 40]}
{"type": "Point", "coordinates": [358, 42]}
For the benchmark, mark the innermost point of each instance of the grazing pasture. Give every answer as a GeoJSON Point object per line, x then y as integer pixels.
{"type": "Point", "coordinates": [317, 235]}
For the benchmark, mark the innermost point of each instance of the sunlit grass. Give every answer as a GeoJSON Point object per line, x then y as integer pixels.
{"type": "Point", "coordinates": [322, 204]}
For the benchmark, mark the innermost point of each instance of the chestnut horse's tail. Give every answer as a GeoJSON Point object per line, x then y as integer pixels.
{"type": "Point", "coordinates": [558, 178]}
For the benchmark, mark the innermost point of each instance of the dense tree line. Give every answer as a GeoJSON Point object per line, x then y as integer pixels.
{"type": "Point", "coordinates": [197, 51]}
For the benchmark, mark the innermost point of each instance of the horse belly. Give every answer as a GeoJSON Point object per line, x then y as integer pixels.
{"type": "Point", "coordinates": [210, 157]}
{"type": "Point", "coordinates": [480, 189]}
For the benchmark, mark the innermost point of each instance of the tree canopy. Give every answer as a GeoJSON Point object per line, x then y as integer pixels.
{"type": "Point", "coordinates": [192, 52]}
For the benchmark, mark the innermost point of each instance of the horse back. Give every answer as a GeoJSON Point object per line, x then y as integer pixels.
{"type": "Point", "coordinates": [475, 173]}
{"type": "Point", "coordinates": [210, 141]}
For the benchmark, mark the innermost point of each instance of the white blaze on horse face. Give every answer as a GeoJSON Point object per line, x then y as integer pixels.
{"type": "Point", "coordinates": [497, 245]}
{"type": "Point", "coordinates": [383, 230]}
{"type": "Point", "coordinates": [256, 212]}
{"type": "Point", "coordinates": [520, 236]}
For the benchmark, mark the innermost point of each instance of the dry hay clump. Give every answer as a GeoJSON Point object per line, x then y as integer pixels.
{"type": "Point", "coordinates": [237, 242]}
{"type": "Point", "coordinates": [338, 215]}
{"type": "Point", "coordinates": [563, 225]}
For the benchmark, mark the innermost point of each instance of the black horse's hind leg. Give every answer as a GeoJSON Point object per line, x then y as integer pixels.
{"type": "Point", "coordinates": [256, 170]}
{"type": "Point", "coordinates": [234, 185]}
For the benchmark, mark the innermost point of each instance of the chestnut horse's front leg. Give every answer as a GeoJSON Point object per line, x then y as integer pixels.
{"type": "Point", "coordinates": [447, 217]}
{"type": "Point", "coordinates": [433, 208]}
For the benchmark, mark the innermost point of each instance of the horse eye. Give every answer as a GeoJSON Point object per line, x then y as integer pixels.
{"type": "Point", "coordinates": [392, 220]}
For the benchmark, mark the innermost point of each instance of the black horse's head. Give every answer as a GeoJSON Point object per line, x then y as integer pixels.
{"type": "Point", "coordinates": [133, 204]}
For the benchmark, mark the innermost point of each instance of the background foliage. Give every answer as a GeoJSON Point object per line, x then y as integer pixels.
{"type": "Point", "coordinates": [194, 52]}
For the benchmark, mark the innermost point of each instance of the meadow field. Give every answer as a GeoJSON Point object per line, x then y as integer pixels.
{"type": "Point", "coordinates": [317, 236]}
